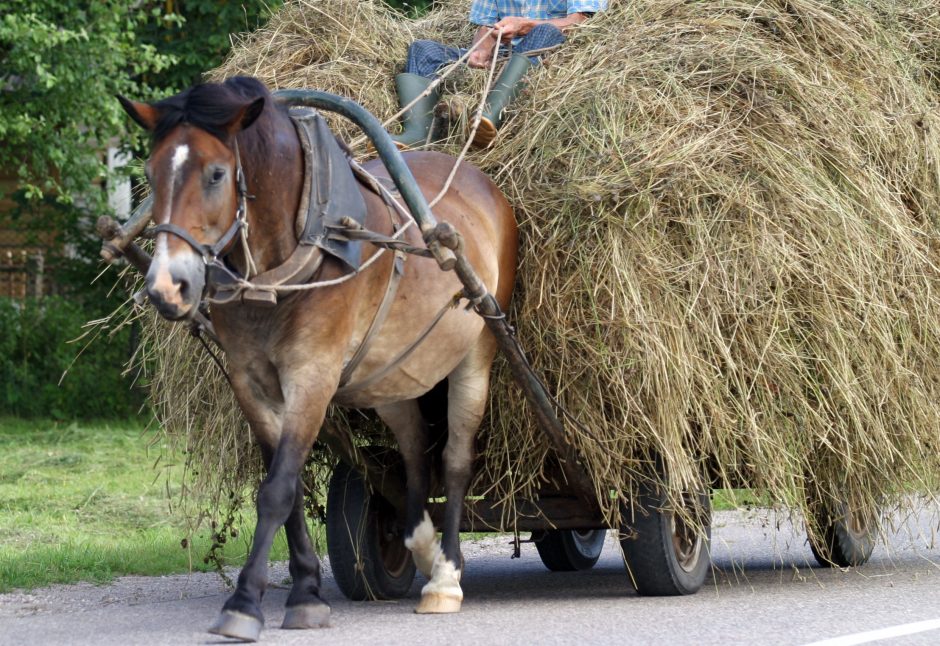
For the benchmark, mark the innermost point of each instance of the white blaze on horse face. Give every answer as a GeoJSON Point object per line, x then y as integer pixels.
{"type": "Point", "coordinates": [180, 155]}
{"type": "Point", "coordinates": [163, 282]}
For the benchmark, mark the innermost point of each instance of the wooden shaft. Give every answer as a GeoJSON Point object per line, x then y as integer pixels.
{"type": "Point", "coordinates": [116, 237]}
{"type": "Point", "coordinates": [572, 466]}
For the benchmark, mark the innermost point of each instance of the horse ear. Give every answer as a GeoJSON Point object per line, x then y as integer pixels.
{"type": "Point", "coordinates": [247, 115]}
{"type": "Point", "coordinates": [144, 114]}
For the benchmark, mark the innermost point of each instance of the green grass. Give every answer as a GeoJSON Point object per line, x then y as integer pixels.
{"type": "Point", "coordinates": [86, 503]}
{"type": "Point", "coordinates": [731, 499]}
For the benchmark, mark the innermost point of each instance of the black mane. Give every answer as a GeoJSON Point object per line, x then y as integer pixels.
{"type": "Point", "coordinates": [209, 106]}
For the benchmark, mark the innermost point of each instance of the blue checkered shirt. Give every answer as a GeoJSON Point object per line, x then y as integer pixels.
{"type": "Point", "coordinates": [489, 12]}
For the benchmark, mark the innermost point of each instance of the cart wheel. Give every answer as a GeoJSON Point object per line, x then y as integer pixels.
{"type": "Point", "coordinates": [365, 540]}
{"type": "Point", "coordinates": [665, 553]}
{"type": "Point", "coordinates": [848, 537]}
{"type": "Point", "coordinates": [567, 550]}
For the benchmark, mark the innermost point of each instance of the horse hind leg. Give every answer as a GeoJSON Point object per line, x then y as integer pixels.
{"type": "Point", "coordinates": [410, 430]}
{"type": "Point", "coordinates": [466, 403]}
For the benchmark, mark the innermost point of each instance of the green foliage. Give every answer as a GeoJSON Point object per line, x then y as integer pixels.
{"type": "Point", "coordinates": [61, 63]}
{"type": "Point", "coordinates": [36, 349]}
{"type": "Point", "coordinates": [411, 7]}
{"type": "Point", "coordinates": [196, 33]}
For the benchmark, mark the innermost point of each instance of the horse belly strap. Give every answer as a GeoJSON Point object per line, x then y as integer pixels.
{"type": "Point", "coordinates": [398, 269]}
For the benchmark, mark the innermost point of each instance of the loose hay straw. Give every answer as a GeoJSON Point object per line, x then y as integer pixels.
{"type": "Point", "coordinates": [730, 254]}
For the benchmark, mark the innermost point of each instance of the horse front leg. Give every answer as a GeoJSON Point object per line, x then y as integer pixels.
{"type": "Point", "coordinates": [468, 385]}
{"type": "Point", "coordinates": [286, 441]}
{"type": "Point", "coordinates": [305, 607]}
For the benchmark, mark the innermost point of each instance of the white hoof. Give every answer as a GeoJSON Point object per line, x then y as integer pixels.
{"type": "Point", "coordinates": [434, 603]}
{"type": "Point", "coordinates": [237, 625]}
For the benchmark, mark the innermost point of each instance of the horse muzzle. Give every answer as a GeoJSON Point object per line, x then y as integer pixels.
{"type": "Point", "coordinates": [176, 287]}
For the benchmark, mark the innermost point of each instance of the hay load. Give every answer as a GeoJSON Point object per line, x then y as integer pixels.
{"type": "Point", "coordinates": [730, 252]}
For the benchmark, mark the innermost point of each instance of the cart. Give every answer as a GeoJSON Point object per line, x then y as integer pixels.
{"type": "Point", "coordinates": [665, 549]}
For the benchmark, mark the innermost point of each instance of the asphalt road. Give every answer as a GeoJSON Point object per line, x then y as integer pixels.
{"type": "Point", "coordinates": [765, 589]}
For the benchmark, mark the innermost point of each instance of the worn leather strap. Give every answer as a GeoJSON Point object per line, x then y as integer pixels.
{"type": "Point", "coordinates": [394, 363]}
{"type": "Point", "coordinates": [394, 278]}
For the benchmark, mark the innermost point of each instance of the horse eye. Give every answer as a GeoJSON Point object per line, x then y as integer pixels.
{"type": "Point", "coordinates": [217, 175]}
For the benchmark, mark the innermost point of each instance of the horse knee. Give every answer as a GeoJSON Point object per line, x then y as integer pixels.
{"type": "Point", "coordinates": [276, 499]}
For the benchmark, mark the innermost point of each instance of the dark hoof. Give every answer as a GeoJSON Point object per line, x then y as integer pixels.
{"type": "Point", "coordinates": [309, 615]}
{"type": "Point", "coordinates": [237, 625]}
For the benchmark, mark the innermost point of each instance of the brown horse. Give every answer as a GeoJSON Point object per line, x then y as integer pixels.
{"type": "Point", "coordinates": [286, 361]}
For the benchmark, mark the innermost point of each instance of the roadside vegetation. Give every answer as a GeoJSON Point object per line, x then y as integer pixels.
{"type": "Point", "coordinates": [88, 502]}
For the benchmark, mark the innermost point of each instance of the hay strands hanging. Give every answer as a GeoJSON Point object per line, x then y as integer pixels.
{"type": "Point", "coordinates": [445, 245]}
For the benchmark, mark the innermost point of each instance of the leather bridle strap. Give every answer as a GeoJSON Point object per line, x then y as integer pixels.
{"type": "Point", "coordinates": [207, 251]}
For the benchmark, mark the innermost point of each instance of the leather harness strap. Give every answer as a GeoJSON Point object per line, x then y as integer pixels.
{"type": "Point", "coordinates": [394, 278]}
{"type": "Point", "coordinates": [380, 374]}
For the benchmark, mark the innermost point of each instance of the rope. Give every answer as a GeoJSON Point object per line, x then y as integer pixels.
{"type": "Point", "coordinates": [477, 118]}
{"type": "Point", "coordinates": [358, 141]}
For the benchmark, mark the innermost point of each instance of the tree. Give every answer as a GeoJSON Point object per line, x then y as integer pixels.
{"type": "Point", "coordinates": [61, 63]}
{"type": "Point", "coordinates": [196, 33]}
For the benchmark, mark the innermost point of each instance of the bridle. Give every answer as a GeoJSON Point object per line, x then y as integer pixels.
{"type": "Point", "coordinates": [212, 253]}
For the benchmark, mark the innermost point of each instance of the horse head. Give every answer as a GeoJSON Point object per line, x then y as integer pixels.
{"type": "Point", "coordinates": [197, 183]}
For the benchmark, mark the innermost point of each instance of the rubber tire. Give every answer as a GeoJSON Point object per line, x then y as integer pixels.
{"type": "Point", "coordinates": [365, 540]}
{"type": "Point", "coordinates": [569, 550]}
{"type": "Point", "coordinates": [843, 543]}
{"type": "Point", "coordinates": [650, 554]}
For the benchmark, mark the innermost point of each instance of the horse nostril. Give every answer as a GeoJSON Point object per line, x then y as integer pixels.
{"type": "Point", "coordinates": [184, 289]}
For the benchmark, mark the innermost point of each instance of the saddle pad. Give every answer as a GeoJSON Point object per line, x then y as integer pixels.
{"type": "Point", "coordinates": [334, 192]}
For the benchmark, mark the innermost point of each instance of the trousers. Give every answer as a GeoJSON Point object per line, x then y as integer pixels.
{"type": "Point", "coordinates": [426, 57]}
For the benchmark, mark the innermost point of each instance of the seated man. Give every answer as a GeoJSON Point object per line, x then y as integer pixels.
{"type": "Point", "coordinates": [528, 25]}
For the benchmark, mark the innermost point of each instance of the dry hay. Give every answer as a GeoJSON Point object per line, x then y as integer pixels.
{"type": "Point", "coordinates": [729, 227]}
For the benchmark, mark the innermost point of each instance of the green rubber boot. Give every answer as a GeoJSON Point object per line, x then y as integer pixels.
{"type": "Point", "coordinates": [505, 89]}
{"type": "Point", "coordinates": [416, 121]}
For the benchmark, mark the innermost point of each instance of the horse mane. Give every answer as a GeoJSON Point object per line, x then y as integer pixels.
{"type": "Point", "coordinates": [211, 106]}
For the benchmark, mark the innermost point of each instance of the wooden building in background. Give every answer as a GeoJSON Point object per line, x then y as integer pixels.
{"type": "Point", "coordinates": [23, 258]}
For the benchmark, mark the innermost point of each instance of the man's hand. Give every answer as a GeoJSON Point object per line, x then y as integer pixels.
{"type": "Point", "coordinates": [480, 58]}
{"type": "Point", "coordinates": [482, 55]}
{"type": "Point", "coordinates": [515, 26]}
